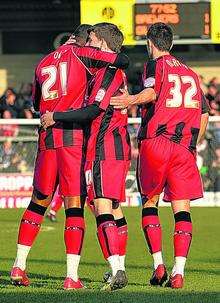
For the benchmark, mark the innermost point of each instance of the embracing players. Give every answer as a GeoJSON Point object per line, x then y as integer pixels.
{"type": "Point", "coordinates": [108, 152]}
{"type": "Point", "coordinates": [174, 119]}
{"type": "Point", "coordinates": [60, 84]}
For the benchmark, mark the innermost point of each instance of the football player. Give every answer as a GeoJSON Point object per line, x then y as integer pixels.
{"type": "Point", "coordinates": [174, 119]}
{"type": "Point", "coordinates": [60, 84]}
{"type": "Point", "coordinates": [108, 152]}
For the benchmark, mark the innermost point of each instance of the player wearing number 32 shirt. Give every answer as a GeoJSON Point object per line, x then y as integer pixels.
{"type": "Point", "coordinates": [174, 118]}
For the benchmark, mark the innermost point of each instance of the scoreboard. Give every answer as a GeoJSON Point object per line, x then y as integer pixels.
{"type": "Point", "coordinates": [188, 20]}
{"type": "Point", "coordinates": [192, 21]}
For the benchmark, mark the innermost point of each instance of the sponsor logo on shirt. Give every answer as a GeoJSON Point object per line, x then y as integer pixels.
{"type": "Point", "coordinates": [100, 95]}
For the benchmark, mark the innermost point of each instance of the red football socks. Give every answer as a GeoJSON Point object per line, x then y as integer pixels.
{"type": "Point", "coordinates": [74, 230]}
{"type": "Point", "coordinates": [122, 235]}
{"type": "Point", "coordinates": [107, 235]}
{"type": "Point", "coordinates": [30, 224]}
{"type": "Point", "coordinates": [182, 234]}
{"type": "Point", "coordinates": [152, 229]}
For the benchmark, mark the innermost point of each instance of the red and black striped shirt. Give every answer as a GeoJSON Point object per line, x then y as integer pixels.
{"type": "Point", "coordinates": [109, 137]}
{"type": "Point", "coordinates": [176, 113]}
{"type": "Point", "coordinates": [60, 84]}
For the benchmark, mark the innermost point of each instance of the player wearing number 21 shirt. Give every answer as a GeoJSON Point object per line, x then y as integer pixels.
{"type": "Point", "coordinates": [108, 152]}
{"type": "Point", "coordinates": [60, 84]}
{"type": "Point", "coordinates": [174, 118]}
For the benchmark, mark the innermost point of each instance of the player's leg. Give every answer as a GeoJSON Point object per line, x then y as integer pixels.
{"type": "Point", "coordinates": [183, 184]}
{"type": "Point", "coordinates": [101, 189]}
{"type": "Point", "coordinates": [122, 228]}
{"type": "Point", "coordinates": [181, 240]}
{"type": "Point", "coordinates": [153, 235]}
{"type": "Point", "coordinates": [109, 241]}
{"type": "Point", "coordinates": [151, 176]}
{"type": "Point", "coordinates": [107, 232]}
{"type": "Point", "coordinates": [73, 237]}
{"type": "Point", "coordinates": [55, 206]}
{"type": "Point", "coordinates": [73, 188]}
{"type": "Point", "coordinates": [33, 215]}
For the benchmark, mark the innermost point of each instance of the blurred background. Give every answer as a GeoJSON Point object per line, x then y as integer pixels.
{"type": "Point", "coordinates": [29, 29]}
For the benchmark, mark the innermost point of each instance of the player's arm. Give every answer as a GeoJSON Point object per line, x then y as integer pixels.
{"type": "Point", "coordinates": [82, 116]}
{"type": "Point", "coordinates": [148, 94]}
{"type": "Point", "coordinates": [95, 59]}
{"type": "Point", "coordinates": [104, 87]}
{"type": "Point", "coordinates": [204, 119]}
{"type": "Point", "coordinates": [36, 93]}
{"type": "Point", "coordinates": [145, 96]}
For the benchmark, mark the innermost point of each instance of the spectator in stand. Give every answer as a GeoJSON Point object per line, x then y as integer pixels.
{"type": "Point", "coordinates": [9, 102]}
{"type": "Point", "coordinates": [25, 95]}
{"type": "Point", "coordinates": [10, 159]}
{"type": "Point", "coordinates": [214, 108]}
{"type": "Point", "coordinates": [217, 103]}
{"type": "Point", "coordinates": [211, 93]}
{"type": "Point", "coordinates": [7, 153]}
{"type": "Point", "coordinates": [214, 81]}
{"type": "Point", "coordinates": [8, 130]}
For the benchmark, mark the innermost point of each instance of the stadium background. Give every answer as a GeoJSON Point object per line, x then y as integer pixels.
{"type": "Point", "coordinates": [29, 29]}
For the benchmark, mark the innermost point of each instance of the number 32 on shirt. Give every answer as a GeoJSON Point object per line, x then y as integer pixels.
{"type": "Point", "coordinates": [187, 99]}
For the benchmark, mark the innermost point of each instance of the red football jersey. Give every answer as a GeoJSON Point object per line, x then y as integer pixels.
{"type": "Point", "coordinates": [60, 84]}
{"type": "Point", "coordinates": [109, 137]}
{"type": "Point", "coordinates": [176, 113]}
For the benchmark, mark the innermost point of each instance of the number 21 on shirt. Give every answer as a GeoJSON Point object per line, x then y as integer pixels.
{"type": "Point", "coordinates": [52, 72]}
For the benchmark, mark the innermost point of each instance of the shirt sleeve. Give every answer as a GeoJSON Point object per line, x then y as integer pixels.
{"type": "Point", "coordinates": [149, 74]}
{"type": "Point", "coordinates": [106, 85]}
{"type": "Point", "coordinates": [152, 75]}
{"type": "Point", "coordinates": [94, 58]}
{"type": "Point", "coordinates": [83, 115]}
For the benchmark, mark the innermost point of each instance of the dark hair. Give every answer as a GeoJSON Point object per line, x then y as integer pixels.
{"type": "Point", "coordinates": [81, 33]}
{"type": "Point", "coordinates": [161, 35]}
{"type": "Point", "coordinates": [110, 33]}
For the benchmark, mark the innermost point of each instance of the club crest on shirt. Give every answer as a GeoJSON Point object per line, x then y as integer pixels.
{"type": "Point", "coordinates": [149, 82]}
{"type": "Point", "coordinates": [100, 95]}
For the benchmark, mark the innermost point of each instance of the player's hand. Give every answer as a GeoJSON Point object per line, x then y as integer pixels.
{"type": "Point", "coordinates": [71, 40]}
{"type": "Point", "coordinates": [122, 101]}
{"type": "Point", "coordinates": [47, 120]}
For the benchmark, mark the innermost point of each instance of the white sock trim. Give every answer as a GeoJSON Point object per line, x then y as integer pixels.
{"type": "Point", "coordinates": [21, 258]}
{"type": "Point", "coordinates": [122, 262]}
{"type": "Point", "coordinates": [72, 264]}
{"type": "Point", "coordinates": [179, 266]}
{"type": "Point", "coordinates": [114, 263]}
{"type": "Point", "coordinates": [158, 259]}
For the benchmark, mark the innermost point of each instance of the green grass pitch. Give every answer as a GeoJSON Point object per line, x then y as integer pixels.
{"type": "Point", "coordinates": [46, 264]}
